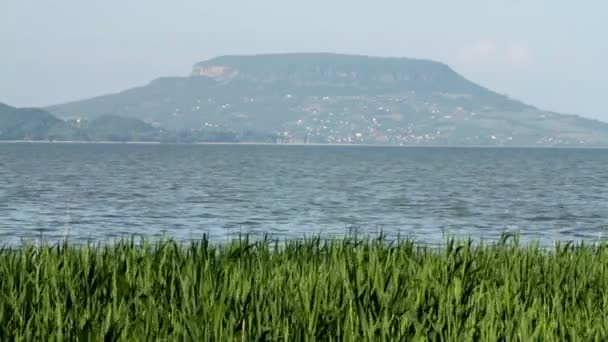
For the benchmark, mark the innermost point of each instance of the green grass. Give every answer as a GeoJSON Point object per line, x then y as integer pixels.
{"type": "Point", "coordinates": [307, 290]}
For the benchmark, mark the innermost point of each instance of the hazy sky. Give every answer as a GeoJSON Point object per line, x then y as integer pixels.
{"type": "Point", "coordinates": [551, 54]}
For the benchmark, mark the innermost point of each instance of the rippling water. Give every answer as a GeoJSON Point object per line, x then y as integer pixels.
{"type": "Point", "coordinates": [100, 192]}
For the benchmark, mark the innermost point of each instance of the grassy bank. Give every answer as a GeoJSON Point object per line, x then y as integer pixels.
{"type": "Point", "coordinates": [304, 291]}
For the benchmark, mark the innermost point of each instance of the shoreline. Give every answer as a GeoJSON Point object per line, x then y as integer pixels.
{"type": "Point", "coordinates": [299, 144]}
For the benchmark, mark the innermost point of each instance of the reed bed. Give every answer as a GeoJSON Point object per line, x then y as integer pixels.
{"type": "Point", "coordinates": [304, 290]}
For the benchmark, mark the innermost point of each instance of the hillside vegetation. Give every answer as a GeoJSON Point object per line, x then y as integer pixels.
{"type": "Point", "coordinates": [30, 124]}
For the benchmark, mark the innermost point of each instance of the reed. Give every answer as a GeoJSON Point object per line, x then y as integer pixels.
{"type": "Point", "coordinates": [304, 290]}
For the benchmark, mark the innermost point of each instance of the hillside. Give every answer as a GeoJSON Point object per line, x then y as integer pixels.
{"type": "Point", "coordinates": [31, 124]}
{"type": "Point", "coordinates": [330, 98]}
{"type": "Point", "coordinates": [36, 125]}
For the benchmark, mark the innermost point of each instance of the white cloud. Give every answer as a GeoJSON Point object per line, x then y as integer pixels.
{"type": "Point", "coordinates": [478, 52]}
{"type": "Point", "coordinates": [492, 53]}
{"type": "Point", "coordinates": [519, 55]}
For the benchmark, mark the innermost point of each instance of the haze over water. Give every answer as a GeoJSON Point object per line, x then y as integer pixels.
{"type": "Point", "coordinates": [100, 192]}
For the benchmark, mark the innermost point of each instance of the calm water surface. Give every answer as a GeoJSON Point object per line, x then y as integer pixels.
{"type": "Point", "coordinates": [101, 192]}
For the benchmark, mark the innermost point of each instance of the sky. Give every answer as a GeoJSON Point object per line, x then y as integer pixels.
{"type": "Point", "coordinates": [550, 54]}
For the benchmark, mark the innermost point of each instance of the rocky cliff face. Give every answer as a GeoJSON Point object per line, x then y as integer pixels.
{"type": "Point", "coordinates": [356, 72]}
{"type": "Point", "coordinates": [219, 73]}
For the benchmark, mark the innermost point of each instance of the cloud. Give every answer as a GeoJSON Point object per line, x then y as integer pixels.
{"type": "Point", "coordinates": [492, 53]}
{"type": "Point", "coordinates": [519, 55]}
{"type": "Point", "coordinates": [478, 52]}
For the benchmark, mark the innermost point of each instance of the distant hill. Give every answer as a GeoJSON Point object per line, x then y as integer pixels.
{"type": "Point", "coordinates": [332, 98]}
{"type": "Point", "coordinates": [116, 128]}
{"type": "Point", "coordinates": [30, 124]}
{"type": "Point", "coordinates": [37, 124]}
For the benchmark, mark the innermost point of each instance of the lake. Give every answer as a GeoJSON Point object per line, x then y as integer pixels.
{"type": "Point", "coordinates": [102, 192]}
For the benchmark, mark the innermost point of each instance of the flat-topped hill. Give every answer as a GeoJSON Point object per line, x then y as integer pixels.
{"type": "Point", "coordinates": [333, 98]}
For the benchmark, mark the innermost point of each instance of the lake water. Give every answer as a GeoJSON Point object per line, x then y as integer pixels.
{"type": "Point", "coordinates": [101, 192]}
